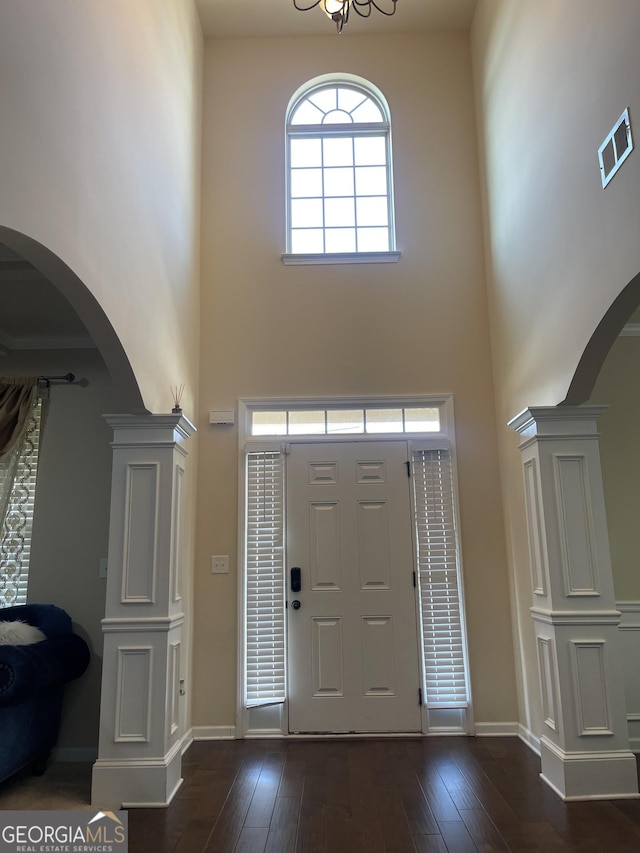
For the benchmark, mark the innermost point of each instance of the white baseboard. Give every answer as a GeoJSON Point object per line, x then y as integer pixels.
{"type": "Point", "coordinates": [82, 754]}
{"type": "Point", "coordinates": [496, 729]}
{"type": "Point", "coordinates": [529, 738]}
{"type": "Point", "coordinates": [187, 740]}
{"type": "Point", "coordinates": [506, 729]}
{"type": "Point", "coordinates": [137, 782]}
{"type": "Point", "coordinates": [213, 732]}
{"type": "Point", "coordinates": [155, 805]}
{"type": "Point", "coordinates": [583, 775]}
{"type": "Point", "coordinates": [266, 734]}
{"type": "Point", "coordinates": [633, 726]}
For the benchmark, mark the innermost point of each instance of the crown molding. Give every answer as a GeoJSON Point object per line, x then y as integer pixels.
{"type": "Point", "coordinates": [9, 343]}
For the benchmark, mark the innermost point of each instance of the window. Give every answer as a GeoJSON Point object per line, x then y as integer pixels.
{"type": "Point", "coordinates": [443, 641]}
{"type": "Point", "coordinates": [339, 171]}
{"type": "Point", "coordinates": [15, 534]}
{"type": "Point", "coordinates": [264, 594]}
{"type": "Point", "coordinates": [351, 421]}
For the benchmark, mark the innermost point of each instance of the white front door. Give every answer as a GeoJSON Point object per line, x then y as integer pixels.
{"type": "Point", "coordinates": [353, 640]}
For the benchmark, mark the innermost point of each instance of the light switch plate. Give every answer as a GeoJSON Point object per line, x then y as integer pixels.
{"type": "Point", "coordinates": [220, 565]}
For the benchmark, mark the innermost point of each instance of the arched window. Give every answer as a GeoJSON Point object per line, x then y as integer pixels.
{"type": "Point", "coordinates": [340, 193]}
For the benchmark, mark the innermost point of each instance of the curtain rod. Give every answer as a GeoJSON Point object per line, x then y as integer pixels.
{"type": "Point", "coordinates": [68, 377]}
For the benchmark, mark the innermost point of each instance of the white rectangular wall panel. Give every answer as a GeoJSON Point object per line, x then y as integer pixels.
{"type": "Point", "coordinates": [629, 654]}
{"type": "Point", "coordinates": [534, 528]}
{"type": "Point", "coordinates": [324, 545]}
{"type": "Point", "coordinates": [133, 697]}
{"type": "Point", "coordinates": [591, 689]}
{"type": "Point", "coordinates": [378, 656]}
{"type": "Point", "coordinates": [577, 539]}
{"type": "Point", "coordinates": [176, 538]}
{"type": "Point", "coordinates": [174, 688]}
{"type": "Point", "coordinates": [141, 532]}
{"type": "Point", "coordinates": [328, 656]}
{"type": "Point", "coordinates": [547, 665]}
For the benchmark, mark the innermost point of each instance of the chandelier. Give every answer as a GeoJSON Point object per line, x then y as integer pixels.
{"type": "Point", "coordinates": [338, 10]}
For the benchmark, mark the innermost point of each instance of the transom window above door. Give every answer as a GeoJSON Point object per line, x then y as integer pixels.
{"type": "Point", "coordinates": [351, 421]}
{"type": "Point", "coordinates": [340, 194]}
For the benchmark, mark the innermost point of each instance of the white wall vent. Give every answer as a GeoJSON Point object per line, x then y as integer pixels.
{"type": "Point", "coordinates": [616, 148]}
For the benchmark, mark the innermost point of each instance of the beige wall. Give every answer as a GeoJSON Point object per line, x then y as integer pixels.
{"type": "Point", "coordinates": [618, 386]}
{"type": "Point", "coordinates": [551, 78]}
{"type": "Point", "coordinates": [100, 117]}
{"type": "Point", "coordinates": [71, 518]}
{"type": "Point", "coordinates": [419, 326]}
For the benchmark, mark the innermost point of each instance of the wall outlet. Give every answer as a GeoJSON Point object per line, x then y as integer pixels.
{"type": "Point", "coordinates": [220, 565]}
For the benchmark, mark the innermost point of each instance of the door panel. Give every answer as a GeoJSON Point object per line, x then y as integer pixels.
{"type": "Point", "coordinates": [324, 546]}
{"type": "Point", "coordinates": [374, 557]}
{"type": "Point", "coordinates": [353, 643]}
{"type": "Point", "coordinates": [327, 657]}
{"type": "Point", "coordinates": [378, 656]}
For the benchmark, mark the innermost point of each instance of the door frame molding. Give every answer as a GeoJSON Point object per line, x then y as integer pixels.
{"type": "Point", "coordinates": [272, 720]}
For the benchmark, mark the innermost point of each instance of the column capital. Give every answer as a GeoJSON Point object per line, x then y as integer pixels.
{"type": "Point", "coordinates": [150, 430]}
{"type": "Point", "coordinates": [557, 421]}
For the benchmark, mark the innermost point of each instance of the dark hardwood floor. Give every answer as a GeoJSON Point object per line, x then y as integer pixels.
{"type": "Point", "coordinates": [429, 795]}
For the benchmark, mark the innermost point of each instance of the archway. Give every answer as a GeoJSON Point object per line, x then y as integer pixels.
{"type": "Point", "coordinates": [575, 608]}
{"type": "Point", "coordinates": [601, 342]}
{"type": "Point", "coordinates": [610, 374]}
{"type": "Point", "coordinates": [142, 713]}
{"type": "Point", "coordinates": [88, 309]}
{"type": "Point", "coordinates": [52, 325]}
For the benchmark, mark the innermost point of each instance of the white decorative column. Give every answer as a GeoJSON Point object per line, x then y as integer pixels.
{"type": "Point", "coordinates": [584, 747]}
{"type": "Point", "coordinates": [139, 756]}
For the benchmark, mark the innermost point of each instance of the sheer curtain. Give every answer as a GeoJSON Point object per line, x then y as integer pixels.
{"type": "Point", "coordinates": [18, 421]}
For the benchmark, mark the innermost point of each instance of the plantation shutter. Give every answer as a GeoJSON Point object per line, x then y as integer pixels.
{"type": "Point", "coordinates": [438, 568]}
{"type": "Point", "coordinates": [15, 532]}
{"type": "Point", "coordinates": [265, 660]}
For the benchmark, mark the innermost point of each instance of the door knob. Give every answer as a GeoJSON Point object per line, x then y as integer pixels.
{"type": "Point", "coordinates": [295, 604]}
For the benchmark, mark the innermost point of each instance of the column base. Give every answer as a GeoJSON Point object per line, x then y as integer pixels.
{"type": "Point", "coordinates": [137, 782]}
{"type": "Point", "coordinates": [589, 775]}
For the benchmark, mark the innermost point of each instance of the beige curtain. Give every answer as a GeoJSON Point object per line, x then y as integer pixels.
{"type": "Point", "coordinates": [17, 398]}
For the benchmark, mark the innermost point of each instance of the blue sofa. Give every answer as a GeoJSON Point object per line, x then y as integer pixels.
{"type": "Point", "coordinates": [32, 680]}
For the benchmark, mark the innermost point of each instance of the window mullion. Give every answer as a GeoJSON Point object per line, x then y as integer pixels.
{"type": "Point", "coordinates": [324, 197]}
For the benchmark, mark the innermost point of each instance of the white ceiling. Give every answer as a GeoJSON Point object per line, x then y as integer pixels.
{"type": "Point", "coordinates": [253, 18]}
